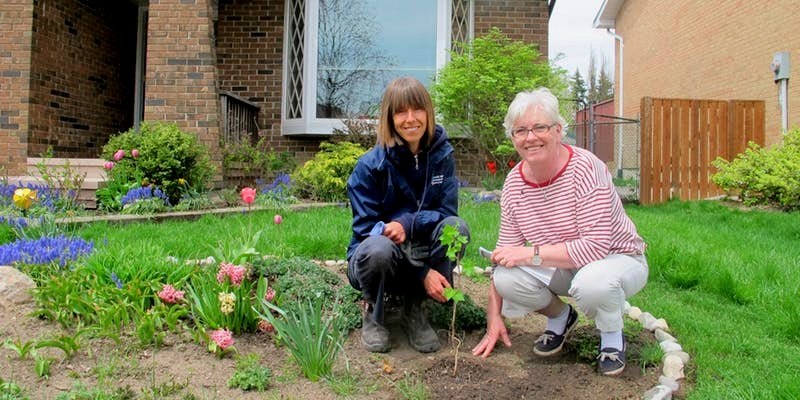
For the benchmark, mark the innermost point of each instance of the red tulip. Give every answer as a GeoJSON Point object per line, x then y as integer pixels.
{"type": "Point", "coordinates": [248, 195]}
{"type": "Point", "coordinates": [277, 219]}
{"type": "Point", "coordinates": [108, 165]}
{"type": "Point", "coordinates": [511, 164]}
{"type": "Point", "coordinates": [492, 167]}
{"type": "Point", "coordinates": [119, 155]}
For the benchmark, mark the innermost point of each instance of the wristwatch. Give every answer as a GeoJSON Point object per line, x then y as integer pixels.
{"type": "Point", "coordinates": [536, 261]}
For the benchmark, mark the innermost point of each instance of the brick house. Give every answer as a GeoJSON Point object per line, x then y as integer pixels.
{"type": "Point", "coordinates": [717, 50]}
{"type": "Point", "coordinates": [75, 72]}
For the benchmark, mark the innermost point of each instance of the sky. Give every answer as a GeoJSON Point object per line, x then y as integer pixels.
{"type": "Point", "coordinates": [571, 33]}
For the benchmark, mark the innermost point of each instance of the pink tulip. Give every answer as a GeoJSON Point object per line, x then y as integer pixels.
{"type": "Point", "coordinates": [108, 165]}
{"type": "Point", "coordinates": [277, 219]}
{"type": "Point", "coordinates": [135, 153]}
{"type": "Point", "coordinates": [248, 195]}
{"type": "Point", "coordinates": [119, 155]}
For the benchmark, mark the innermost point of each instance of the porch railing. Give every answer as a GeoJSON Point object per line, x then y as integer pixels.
{"type": "Point", "coordinates": [239, 119]}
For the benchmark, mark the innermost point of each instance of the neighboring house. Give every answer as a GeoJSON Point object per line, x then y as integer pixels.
{"type": "Point", "coordinates": [75, 72]}
{"type": "Point", "coordinates": [691, 49]}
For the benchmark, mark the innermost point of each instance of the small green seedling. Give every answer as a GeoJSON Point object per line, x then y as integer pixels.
{"type": "Point", "coordinates": [454, 241]}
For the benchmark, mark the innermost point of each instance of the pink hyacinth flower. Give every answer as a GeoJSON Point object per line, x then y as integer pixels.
{"type": "Point", "coordinates": [270, 294]}
{"type": "Point", "coordinates": [222, 337]}
{"type": "Point", "coordinates": [135, 153]}
{"type": "Point", "coordinates": [108, 165]}
{"type": "Point", "coordinates": [170, 295]}
{"type": "Point", "coordinates": [236, 273]}
{"type": "Point", "coordinates": [248, 195]}
{"type": "Point", "coordinates": [119, 155]}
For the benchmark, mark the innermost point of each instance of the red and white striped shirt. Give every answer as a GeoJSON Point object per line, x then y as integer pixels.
{"type": "Point", "coordinates": [579, 208]}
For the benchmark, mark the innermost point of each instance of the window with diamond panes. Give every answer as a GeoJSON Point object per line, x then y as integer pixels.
{"type": "Point", "coordinates": [340, 54]}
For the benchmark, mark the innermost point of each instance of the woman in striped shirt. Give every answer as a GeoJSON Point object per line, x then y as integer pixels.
{"type": "Point", "coordinates": [563, 232]}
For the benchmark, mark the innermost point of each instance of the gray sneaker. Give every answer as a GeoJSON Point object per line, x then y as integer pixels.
{"type": "Point", "coordinates": [611, 361]}
{"type": "Point", "coordinates": [421, 335]}
{"type": "Point", "coordinates": [374, 336]}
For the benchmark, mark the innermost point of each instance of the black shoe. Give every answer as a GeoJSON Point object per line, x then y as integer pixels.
{"type": "Point", "coordinates": [550, 343]}
{"type": "Point", "coordinates": [611, 361]}
{"type": "Point", "coordinates": [374, 336]}
{"type": "Point", "coordinates": [421, 335]}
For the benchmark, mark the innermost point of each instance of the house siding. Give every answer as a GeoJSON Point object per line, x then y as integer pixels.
{"type": "Point", "coordinates": [709, 50]}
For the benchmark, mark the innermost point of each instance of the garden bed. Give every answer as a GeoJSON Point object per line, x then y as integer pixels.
{"type": "Point", "coordinates": [183, 369]}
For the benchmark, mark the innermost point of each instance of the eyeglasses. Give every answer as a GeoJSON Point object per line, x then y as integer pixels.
{"type": "Point", "coordinates": [538, 129]}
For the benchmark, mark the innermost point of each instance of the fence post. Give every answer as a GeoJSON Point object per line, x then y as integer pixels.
{"type": "Point", "coordinates": [646, 148]}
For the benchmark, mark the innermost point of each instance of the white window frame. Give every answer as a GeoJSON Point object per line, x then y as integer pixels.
{"type": "Point", "coordinates": [309, 124]}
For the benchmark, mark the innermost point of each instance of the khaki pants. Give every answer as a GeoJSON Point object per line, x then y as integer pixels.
{"type": "Point", "coordinates": [599, 288]}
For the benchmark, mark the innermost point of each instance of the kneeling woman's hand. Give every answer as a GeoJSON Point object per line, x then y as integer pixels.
{"type": "Point", "coordinates": [434, 285]}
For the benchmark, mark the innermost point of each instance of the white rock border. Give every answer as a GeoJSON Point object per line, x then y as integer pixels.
{"type": "Point", "coordinates": [674, 357]}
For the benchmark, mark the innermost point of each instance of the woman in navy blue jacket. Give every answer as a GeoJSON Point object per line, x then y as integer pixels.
{"type": "Point", "coordinates": [402, 193]}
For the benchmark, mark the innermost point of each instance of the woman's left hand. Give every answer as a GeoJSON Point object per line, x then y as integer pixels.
{"type": "Point", "coordinates": [513, 256]}
{"type": "Point", "coordinates": [395, 232]}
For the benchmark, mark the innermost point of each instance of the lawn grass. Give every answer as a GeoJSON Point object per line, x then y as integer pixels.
{"type": "Point", "coordinates": [725, 279]}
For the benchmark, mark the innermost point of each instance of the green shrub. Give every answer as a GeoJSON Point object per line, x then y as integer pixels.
{"type": "Point", "coordinates": [167, 158]}
{"type": "Point", "coordinates": [472, 92]}
{"type": "Point", "coordinates": [299, 280]}
{"type": "Point", "coordinates": [764, 176]}
{"type": "Point", "coordinates": [325, 177]}
{"type": "Point", "coordinates": [258, 159]}
{"type": "Point", "coordinates": [469, 316]}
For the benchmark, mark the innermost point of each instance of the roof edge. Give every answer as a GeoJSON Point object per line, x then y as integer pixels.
{"type": "Point", "coordinates": [606, 17]}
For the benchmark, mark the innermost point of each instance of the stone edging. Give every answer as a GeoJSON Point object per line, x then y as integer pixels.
{"type": "Point", "coordinates": [674, 357]}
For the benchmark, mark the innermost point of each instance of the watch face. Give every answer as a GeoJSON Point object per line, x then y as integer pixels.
{"type": "Point", "coordinates": [537, 260]}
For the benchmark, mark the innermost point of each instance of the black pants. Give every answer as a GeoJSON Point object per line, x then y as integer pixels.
{"type": "Point", "coordinates": [379, 266]}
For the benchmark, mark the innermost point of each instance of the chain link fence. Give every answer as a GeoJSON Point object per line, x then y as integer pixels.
{"type": "Point", "coordinates": [614, 140]}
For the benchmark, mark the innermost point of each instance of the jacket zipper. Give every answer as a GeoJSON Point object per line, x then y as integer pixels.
{"type": "Point", "coordinates": [416, 161]}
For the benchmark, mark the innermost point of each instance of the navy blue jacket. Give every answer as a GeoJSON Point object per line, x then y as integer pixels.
{"type": "Point", "coordinates": [390, 184]}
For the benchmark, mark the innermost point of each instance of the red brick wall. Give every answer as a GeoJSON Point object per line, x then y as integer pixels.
{"type": "Point", "coordinates": [16, 18]}
{"type": "Point", "coordinates": [181, 71]}
{"type": "Point", "coordinates": [82, 80]}
{"type": "Point", "coordinates": [525, 20]}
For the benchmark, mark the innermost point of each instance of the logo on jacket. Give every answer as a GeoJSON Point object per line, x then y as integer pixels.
{"type": "Point", "coordinates": [437, 180]}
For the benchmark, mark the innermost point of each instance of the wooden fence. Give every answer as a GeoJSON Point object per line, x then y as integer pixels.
{"type": "Point", "coordinates": [680, 139]}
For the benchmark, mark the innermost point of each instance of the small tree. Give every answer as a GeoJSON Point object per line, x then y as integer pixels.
{"type": "Point", "coordinates": [474, 89]}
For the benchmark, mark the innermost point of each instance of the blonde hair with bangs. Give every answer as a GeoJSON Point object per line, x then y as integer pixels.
{"type": "Point", "coordinates": [402, 94]}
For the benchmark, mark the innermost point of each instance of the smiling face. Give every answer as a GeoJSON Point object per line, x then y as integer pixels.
{"type": "Point", "coordinates": [411, 124]}
{"type": "Point", "coordinates": [538, 150]}
{"type": "Point", "coordinates": [533, 147]}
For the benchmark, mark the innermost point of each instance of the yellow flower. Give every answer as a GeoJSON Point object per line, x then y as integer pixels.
{"type": "Point", "coordinates": [24, 197]}
{"type": "Point", "coordinates": [181, 181]}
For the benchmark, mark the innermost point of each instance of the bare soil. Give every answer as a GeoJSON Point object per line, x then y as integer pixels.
{"type": "Point", "coordinates": [183, 369]}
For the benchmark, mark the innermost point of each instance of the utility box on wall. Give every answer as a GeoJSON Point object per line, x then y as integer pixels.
{"type": "Point", "coordinates": [780, 65]}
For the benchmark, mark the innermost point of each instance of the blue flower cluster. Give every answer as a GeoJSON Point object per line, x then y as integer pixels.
{"type": "Point", "coordinates": [279, 187]}
{"type": "Point", "coordinates": [46, 250]}
{"type": "Point", "coordinates": [14, 222]}
{"type": "Point", "coordinates": [45, 196]}
{"type": "Point", "coordinates": [144, 193]}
